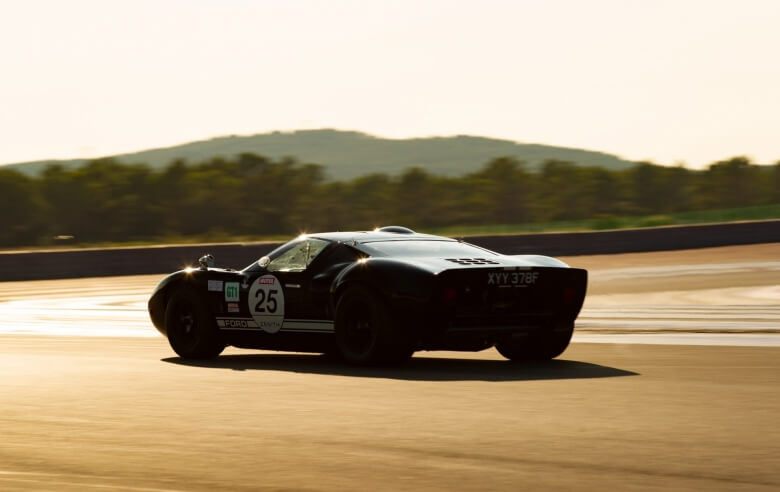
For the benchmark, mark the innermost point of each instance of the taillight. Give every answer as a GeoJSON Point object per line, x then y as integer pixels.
{"type": "Point", "coordinates": [449, 296]}
{"type": "Point", "coordinates": [569, 295]}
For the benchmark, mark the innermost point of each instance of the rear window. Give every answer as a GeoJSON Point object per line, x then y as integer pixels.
{"type": "Point", "coordinates": [424, 249]}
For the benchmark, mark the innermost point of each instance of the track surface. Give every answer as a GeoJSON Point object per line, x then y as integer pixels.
{"type": "Point", "coordinates": [707, 291]}
{"type": "Point", "coordinates": [122, 413]}
{"type": "Point", "coordinates": [81, 414]}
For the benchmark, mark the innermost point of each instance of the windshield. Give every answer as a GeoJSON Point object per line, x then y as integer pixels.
{"type": "Point", "coordinates": [297, 257]}
{"type": "Point", "coordinates": [424, 248]}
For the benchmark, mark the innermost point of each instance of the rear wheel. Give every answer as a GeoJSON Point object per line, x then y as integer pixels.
{"type": "Point", "coordinates": [365, 332]}
{"type": "Point", "coordinates": [544, 346]}
{"type": "Point", "coordinates": [192, 332]}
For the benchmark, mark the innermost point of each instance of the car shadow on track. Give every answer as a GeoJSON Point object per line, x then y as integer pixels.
{"type": "Point", "coordinates": [419, 368]}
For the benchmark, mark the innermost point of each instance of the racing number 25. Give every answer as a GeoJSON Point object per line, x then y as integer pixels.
{"type": "Point", "coordinates": [266, 303]}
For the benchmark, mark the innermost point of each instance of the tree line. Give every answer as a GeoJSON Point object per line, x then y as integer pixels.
{"type": "Point", "coordinates": [250, 195]}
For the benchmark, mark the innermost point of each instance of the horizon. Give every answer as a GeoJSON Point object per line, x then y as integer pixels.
{"type": "Point", "coordinates": [690, 82]}
{"type": "Point", "coordinates": [381, 137]}
{"type": "Point", "coordinates": [293, 131]}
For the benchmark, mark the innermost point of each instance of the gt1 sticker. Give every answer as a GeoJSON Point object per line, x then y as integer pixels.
{"type": "Point", "coordinates": [266, 303]}
{"type": "Point", "coordinates": [231, 292]}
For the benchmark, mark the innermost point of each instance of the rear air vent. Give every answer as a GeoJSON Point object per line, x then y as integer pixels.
{"type": "Point", "coordinates": [473, 261]}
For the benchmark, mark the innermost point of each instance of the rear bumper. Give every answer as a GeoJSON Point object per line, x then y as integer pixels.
{"type": "Point", "coordinates": [470, 309]}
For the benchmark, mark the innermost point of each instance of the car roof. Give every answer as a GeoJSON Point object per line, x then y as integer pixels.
{"type": "Point", "coordinates": [361, 237]}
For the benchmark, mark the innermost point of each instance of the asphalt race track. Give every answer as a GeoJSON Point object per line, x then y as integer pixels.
{"type": "Point", "coordinates": [684, 397]}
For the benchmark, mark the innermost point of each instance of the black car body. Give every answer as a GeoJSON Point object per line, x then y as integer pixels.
{"type": "Point", "coordinates": [374, 296]}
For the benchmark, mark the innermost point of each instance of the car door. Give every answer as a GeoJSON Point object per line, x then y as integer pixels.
{"type": "Point", "coordinates": [291, 271]}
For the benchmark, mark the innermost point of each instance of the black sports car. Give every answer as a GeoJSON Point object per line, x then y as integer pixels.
{"type": "Point", "coordinates": [373, 297]}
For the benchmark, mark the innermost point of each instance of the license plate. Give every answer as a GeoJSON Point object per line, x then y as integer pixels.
{"type": "Point", "coordinates": [512, 278]}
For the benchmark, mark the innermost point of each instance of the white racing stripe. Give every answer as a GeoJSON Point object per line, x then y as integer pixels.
{"type": "Point", "coordinates": [308, 326]}
{"type": "Point", "coordinates": [289, 325]}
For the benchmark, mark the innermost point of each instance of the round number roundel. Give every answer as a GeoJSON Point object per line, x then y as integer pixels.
{"type": "Point", "coordinates": [266, 303]}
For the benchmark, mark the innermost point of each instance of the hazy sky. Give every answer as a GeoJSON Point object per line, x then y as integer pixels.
{"type": "Point", "coordinates": [669, 81]}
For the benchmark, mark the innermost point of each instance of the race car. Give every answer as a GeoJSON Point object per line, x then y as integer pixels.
{"type": "Point", "coordinates": [373, 297]}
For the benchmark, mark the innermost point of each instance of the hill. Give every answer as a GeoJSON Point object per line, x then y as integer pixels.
{"type": "Point", "coordinates": [347, 154]}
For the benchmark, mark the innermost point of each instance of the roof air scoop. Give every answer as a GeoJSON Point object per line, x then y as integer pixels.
{"type": "Point", "coordinates": [395, 229]}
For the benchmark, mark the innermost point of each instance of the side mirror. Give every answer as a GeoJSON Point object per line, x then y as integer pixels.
{"type": "Point", "coordinates": [264, 261]}
{"type": "Point", "coordinates": [206, 261]}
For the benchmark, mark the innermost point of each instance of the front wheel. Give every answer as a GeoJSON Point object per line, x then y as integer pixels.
{"type": "Point", "coordinates": [365, 332]}
{"type": "Point", "coordinates": [544, 346]}
{"type": "Point", "coordinates": [192, 332]}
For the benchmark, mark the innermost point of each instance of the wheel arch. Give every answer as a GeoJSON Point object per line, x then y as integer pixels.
{"type": "Point", "coordinates": [158, 302]}
{"type": "Point", "coordinates": [351, 276]}
{"type": "Point", "coordinates": [392, 280]}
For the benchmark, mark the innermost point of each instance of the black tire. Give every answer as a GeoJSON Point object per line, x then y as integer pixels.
{"type": "Point", "coordinates": [544, 346]}
{"type": "Point", "coordinates": [192, 331]}
{"type": "Point", "coordinates": [365, 331]}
